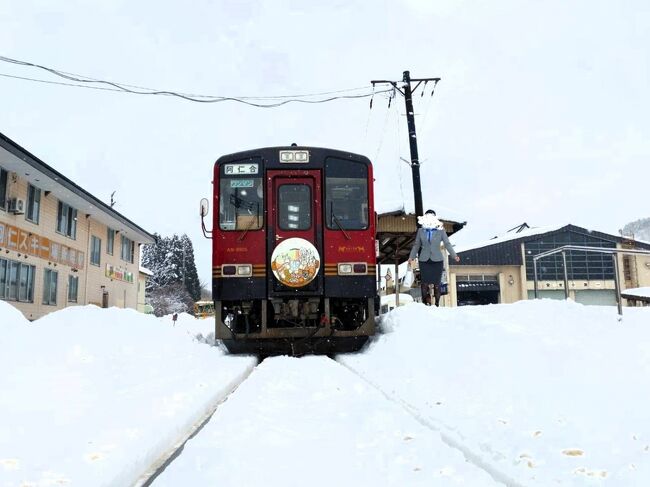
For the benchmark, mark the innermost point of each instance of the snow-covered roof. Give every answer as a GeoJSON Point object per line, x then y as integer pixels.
{"type": "Point", "coordinates": [145, 271]}
{"type": "Point", "coordinates": [641, 292]}
{"type": "Point", "coordinates": [531, 232]}
{"type": "Point", "coordinates": [388, 205]}
{"type": "Point", "coordinates": [509, 236]}
{"type": "Point", "coordinates": [48, 179]}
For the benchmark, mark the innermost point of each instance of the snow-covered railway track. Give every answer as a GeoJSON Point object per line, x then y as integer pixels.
{"type": "Point", "coordinates": [471, 456]}
{"type": "Point", "coordinates": [311, 420]}
{"type": "Point", "coordinates": [156, 468]}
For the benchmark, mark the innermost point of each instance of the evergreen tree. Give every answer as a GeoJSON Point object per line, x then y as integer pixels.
{"type": "Point", "coordinates": [191, 276]}
{"type": "Point", "coordinates": [639, 229]}
{"type": "Point", "coordinates": [171, 260]}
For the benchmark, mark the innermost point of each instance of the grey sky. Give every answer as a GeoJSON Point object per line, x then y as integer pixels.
{"type": "Point", "coordinates": [542, 114]}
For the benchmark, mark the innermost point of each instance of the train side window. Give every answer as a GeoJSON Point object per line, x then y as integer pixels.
{"type": "Point", "coordinates": [346, 194]}
{"type": "Point", "coordinates": [294, 202]}
{"type": "Point", "coordinates": [241, 203]}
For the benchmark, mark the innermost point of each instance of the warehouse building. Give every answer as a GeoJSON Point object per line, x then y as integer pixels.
{"type": "Point", "coordinates": [60, 245]}
{"type": "Point", "coordinates": [501, 270]}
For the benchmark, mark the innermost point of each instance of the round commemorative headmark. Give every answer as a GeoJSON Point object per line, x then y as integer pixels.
{"type": "Point", "coordinates": [295, 262]}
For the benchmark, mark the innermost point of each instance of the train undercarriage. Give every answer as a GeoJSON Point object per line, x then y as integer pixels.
{"type": "Point", "coordinates": [295, 326]}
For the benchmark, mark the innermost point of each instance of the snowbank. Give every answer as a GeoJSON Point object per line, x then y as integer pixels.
{"type": "Point", "coordinates": [201, 329]}
{"type": "Point", "coordinates": [91, 396]}
{"type": "Point", "coordinates": [541, 392]}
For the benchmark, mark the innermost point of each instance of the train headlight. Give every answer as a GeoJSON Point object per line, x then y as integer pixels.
{"type": "Point", "coordinates": [345, 268]}
{"type": "Point", "coordinates": [228, 270]}
{"type": "Point", "coordinates": [237, 270]}
{"type": "Point", "coordinates": [353, 268]}
{"type": "Point", "coordinates": [244, 270]}
{"type": "Point", "coordinates": [359, 268]}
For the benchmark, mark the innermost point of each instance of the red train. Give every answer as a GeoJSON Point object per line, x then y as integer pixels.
{"type": "Point", "coordinates": [293, 250]}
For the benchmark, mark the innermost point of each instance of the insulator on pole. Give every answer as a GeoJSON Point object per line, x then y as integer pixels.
{"type": "Point", "coordinates": [435, 83]}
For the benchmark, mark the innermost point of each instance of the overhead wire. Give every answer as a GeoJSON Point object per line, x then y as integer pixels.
{"type": "Point", "coordinates": [365, 135]}
{"type": "Point", "coordinates": [428, 105]}
{"type": "Point", "coordinates": [399, 156]}
{"type": "Point", "coordinates": [88, 82]}
{"type": "Point", "coordinates": [383, 130]}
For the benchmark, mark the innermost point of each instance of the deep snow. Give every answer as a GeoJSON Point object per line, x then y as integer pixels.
{"type": "Point", "coordinates": [545, 392]}
{"type": "Point", "coordinates": [536, 393]}
{"type": "Point", "coordinates": [91, 397]}
{"type": "Point", "coordinates": [309, 421]}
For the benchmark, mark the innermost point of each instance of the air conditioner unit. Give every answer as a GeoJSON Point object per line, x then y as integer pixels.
{"type": "Point", "coordinates": [17, 206]}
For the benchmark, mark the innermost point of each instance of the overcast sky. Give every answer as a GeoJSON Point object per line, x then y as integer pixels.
{"type": "Point", "coordinates": [542, 114]}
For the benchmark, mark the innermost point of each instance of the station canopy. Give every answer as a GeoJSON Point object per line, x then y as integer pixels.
{"type": "Point", "coordinates": [396, 234]}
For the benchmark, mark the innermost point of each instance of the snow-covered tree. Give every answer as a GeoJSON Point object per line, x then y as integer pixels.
{"type": "Point", "coordinates": [639, 229]}
{"type": "Point", "coordinates": [190, 274]}
{"type": "Point", "coordinates": [171, 260]}
{"type": "Point", "coordinates": [172, 298]}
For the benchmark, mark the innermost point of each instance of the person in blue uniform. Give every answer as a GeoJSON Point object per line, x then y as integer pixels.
{"type": "Point", "coordinates": [427, 249]}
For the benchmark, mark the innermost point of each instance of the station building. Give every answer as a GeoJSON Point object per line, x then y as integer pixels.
{"type": "Point", "coordinates": [60, 245]}
{"type": "Point", "coordinates": [501, 270]}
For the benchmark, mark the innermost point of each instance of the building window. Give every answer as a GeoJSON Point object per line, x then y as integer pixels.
{"type": "Point", "coordinates": [580, 265]}
{"type": "Point", "coordinates": [73, 288]}
{"type": "Point", "coordinates": [16, 281]}
{"type": "Point", "coordinates": [3, 188]}
{"type": "Point", "coordinates": [66, 222]}
{"type": "Point", "coordinates": [49, 286]}
{"type": "Point", "coordinates": [33, 204]}
{"type": "Point", "coordinates": [110, 241]}
{"type": "Point", "coordinates": [95, 250]}
{"type": "Point", "coordinates": [128, 247]}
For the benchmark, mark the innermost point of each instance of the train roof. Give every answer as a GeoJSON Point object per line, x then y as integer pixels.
{"type": "Point", "coordinates": [266, 152]}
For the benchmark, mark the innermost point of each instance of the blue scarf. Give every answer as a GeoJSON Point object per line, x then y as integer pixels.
{"type": "Point", "coordinates": [430, 233]}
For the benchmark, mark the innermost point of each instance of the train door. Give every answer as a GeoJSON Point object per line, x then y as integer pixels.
{"type": "Point", "coordinates": [295, 232]}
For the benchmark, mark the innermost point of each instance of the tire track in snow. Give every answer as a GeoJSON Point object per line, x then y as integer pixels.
{"type": "Point", "coordinates": [472, 457]}
{"type": "Point", "coordinates": [156, 468]}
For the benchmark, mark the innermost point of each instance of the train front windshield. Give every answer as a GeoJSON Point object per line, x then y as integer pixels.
{"type": "Point", "coordinates": [346, 195]}
{"type": "Point", "coordinates": [241, 203]}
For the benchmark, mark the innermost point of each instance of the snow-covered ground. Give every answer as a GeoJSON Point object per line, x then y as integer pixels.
{"type": "Point", "coordinates": [311, 422]}
{"type": "Point", "coordinates": [91, 397]}
{"type": "Point", "coordinates": [537, 393]}
{"type": "Point", "coordinates": [544, 393]}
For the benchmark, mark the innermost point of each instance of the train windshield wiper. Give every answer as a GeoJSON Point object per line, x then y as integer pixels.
{"type": "Point", "coordinates": [338, 223]}
{"type": "Point", "coordinates": [251, 222]}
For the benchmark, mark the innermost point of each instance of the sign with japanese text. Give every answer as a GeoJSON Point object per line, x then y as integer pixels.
{"type": "Point", "coordinates": [13, 238]}
{"type": "Point", "coordinates": [118, 273]}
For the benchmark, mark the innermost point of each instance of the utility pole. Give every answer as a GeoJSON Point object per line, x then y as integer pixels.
{"type": "Point", "coordinates": [410, 118]}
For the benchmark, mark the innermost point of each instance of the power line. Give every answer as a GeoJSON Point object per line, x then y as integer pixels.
{"type": "Point", "coordinates": [81, 81]}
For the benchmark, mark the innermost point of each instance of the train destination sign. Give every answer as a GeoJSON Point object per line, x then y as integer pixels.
{"type": "Point", "coordinates": [241, 183]}
{"type": "Point", "coordinates": [241, 169]}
